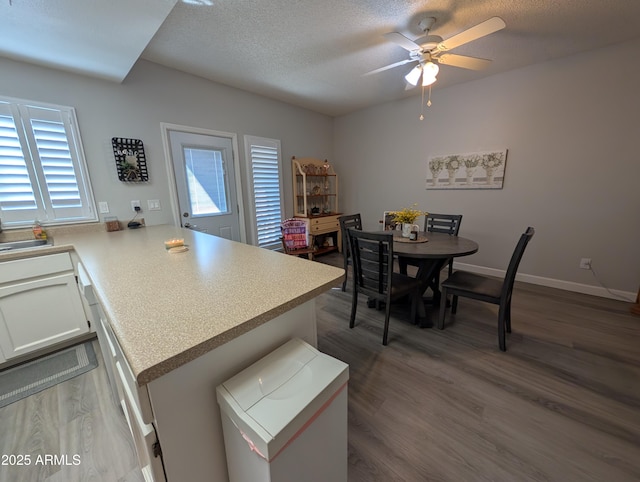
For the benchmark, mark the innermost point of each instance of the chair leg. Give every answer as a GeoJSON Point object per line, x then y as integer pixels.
{"type": "Point", "coordinates": [387, 314]}
{"type": "Point", "coordinates": [354, 306]}
{"type": "Point", "coordinates": [346, 268]}
{"type": "Point", "coordinates": [502, 343]}
{"type": "Point", "coordinates": [443, 310]}
{"type": "Point", "coordinates": [507, 318]}
{"type": "Point", "coordinates": [454, 304]}
{"type": "Point", "coordinates": [451, 267]}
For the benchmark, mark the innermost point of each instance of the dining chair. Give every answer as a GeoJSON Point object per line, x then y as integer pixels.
{"type": "Point", "coordinates": [373, 275]}
{"type": "Point", "coordinates": [349, 221]}
{"type": "Point", "coordinates": [484, 288]}
{"type": "Point", "coordinates": [443, 223]}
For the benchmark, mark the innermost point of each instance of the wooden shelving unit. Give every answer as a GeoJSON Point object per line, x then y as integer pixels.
{"type": "Point", "coordinates": [315, 196]}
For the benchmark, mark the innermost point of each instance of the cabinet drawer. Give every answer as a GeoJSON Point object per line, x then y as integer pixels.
{"type": "Point", "coordinates": [324, 220]}
{"type": "Point", "coordinates": [326, 227]}
{"type": "Point", "coordinates": [21, 269]}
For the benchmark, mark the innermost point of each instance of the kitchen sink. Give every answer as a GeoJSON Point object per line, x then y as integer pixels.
{"type": "Point", "coordinates": [29, 243]}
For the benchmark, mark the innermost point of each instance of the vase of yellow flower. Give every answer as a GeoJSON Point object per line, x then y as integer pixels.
{"type": "Point", "coordinates": [406, 218]}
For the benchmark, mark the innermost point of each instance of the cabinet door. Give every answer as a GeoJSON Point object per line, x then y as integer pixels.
{"type": "Point", "coordinates": [38, 313]}
{"type": "Point", "coordinates": [144, 435]}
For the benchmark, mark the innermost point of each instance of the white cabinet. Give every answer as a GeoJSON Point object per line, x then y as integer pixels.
{"type": "Point", "coordinates": [132, 398]}
{"type": "Point", "coordinates": [39, 304]}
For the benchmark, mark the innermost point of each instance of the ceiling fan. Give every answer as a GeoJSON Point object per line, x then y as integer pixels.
{"type": "Point", "coordinates": [430, 50]}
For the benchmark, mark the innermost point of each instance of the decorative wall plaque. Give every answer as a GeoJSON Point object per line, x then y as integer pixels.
{"type": "Point", "coordinates": [478, 170]}
{"type": "Point", "coordinates": [131, 162]}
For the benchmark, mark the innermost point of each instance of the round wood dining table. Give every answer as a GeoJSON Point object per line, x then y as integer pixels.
{"type": "Point", "coordinates": [430, 256]}
{"type": "Point", "coordinates": [437, 246]}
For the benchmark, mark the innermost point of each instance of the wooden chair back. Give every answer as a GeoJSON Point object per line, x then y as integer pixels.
{"type": "Point", "coordinates": [443, 223]}
{"type": "Point", "coordinates": [347, 222]}
{"type": "Point", "coordinates": [510, 277]}
{"type": "Point", "coordinates": [372, 262]}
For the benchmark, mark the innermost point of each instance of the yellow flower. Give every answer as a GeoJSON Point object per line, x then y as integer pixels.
{"type": "Point", "coordinates": [408, 215]}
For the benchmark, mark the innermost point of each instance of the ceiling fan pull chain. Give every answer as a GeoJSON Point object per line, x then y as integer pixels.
{"type": "Point", "coordinates": [422, 102]}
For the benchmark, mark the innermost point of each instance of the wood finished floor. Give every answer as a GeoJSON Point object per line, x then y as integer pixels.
{"type": "Point", "coordinates": [73, 417]}
{"type": "Point", "coordinates": [562, 404]}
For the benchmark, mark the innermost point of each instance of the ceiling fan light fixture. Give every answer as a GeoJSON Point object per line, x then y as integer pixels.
{"type": "Point", "coordinates": [430, 69]}
{"type": "Point", "coordinates": [426, 80]}
{"type": "Point", "coordinates": [413, 76]}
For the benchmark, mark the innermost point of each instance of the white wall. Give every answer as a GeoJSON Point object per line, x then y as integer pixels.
{"type": "Point", "coordinates": [152, 94]}
{"type": "Point", "coordinates": [572, 128]}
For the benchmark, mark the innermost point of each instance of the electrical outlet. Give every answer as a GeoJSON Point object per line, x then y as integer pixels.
{"type": "Point", "coordinates": [585, 263]}
{"type": "Point", "coordinates": [154, 204]}
{"type": "Point", "coordinates": [103, 206]}
{"type": "Point", "coordinates": [136, 204]}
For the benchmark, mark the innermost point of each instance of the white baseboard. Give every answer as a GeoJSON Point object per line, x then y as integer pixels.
{"type": "Point", "coordinates": [552, 283]}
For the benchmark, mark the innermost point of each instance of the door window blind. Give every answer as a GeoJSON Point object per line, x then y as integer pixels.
{"type": "Point", "coordinates": [43, 174]}
{"type": "Point", "coordinates": [266, 174]}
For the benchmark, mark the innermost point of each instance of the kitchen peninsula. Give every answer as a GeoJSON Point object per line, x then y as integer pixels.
{"type": "Point", "coordinates": [179, 324]}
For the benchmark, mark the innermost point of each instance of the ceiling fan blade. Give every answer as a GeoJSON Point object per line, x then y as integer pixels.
{"type": "Point", "coordinates": [485, 28]}
{"type": "Point", "coordinates": [464, 62]}
{"type": "Point", "coordinates": [391, 66]}
{"type": "Point", "coordinates": [402, 41]}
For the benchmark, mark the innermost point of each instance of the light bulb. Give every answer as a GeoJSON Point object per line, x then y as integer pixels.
{"type": "Point", "coordinates": [426, 80]}
{"type": "Point", "coordinates": [430, 69]}
{"type": "Point", "coordinates": [413, 76]}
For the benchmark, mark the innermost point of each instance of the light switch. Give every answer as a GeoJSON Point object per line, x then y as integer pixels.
{"type": "Point", "coordinates": [154, 204]}
{"type": "Point", "coordinates": [103, 206]}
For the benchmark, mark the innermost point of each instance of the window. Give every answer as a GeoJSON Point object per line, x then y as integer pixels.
{"type": "Point", "coordinates": [43, 174]}
{"type": "Point", "coordinates": [265, 167]}
{"type": "Point", "coordinates": [206, 181]}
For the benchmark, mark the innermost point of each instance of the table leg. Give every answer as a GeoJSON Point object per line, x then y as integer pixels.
{"type": "Point", "coordinates": [428, 274]}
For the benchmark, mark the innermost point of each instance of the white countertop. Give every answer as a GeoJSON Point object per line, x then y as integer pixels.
{"type": "Point", "coordinates": [167, 309]}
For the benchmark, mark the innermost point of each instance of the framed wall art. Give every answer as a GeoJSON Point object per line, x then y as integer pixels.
{"type": "Point", "coordinates": [131, 162]}
{"type": "Point", "coordinates": [477, 170]}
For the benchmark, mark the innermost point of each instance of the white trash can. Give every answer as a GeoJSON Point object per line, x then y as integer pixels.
{"type": "Point", "coordinates": [284, 418]}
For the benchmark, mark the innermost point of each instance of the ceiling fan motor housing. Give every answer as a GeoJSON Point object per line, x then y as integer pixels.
{"type": "Point", "coordinates": [429, 42]}
{"type": "Point", "coordinates": [426, 23]}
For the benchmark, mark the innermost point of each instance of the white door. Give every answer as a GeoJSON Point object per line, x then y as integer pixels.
{"type": "Point", "coordinates": [204, 171]}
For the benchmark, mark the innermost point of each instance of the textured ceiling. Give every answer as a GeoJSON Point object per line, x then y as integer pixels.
{"type": "Point", "coordinates": [314, 53]}
{"type": "Point", "coordinates": [99, 38]}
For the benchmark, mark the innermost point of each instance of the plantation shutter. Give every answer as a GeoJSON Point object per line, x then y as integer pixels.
{"type": "Point", "coordinates": [266, 172]}
{"type": "Point", "coordinates": [16, 190]}
{"type": "Point", "coordinates": [42, 171]}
